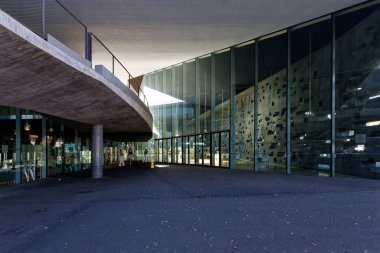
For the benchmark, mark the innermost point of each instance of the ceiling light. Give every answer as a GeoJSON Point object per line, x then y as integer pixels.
{"type": "Point", "coordinates": [377, 96]}
{"type": "Point", "coordinates": [372, 123]}
{"type": "Point", "coordinates": [27, 126]}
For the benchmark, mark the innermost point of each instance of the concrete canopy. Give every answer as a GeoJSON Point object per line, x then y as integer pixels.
{"type": "Point", "coordinates": [151, 34]}
{"type": "Point", "coordinates": [38, 76]}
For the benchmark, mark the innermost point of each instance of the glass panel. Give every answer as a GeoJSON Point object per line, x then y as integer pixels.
{"type": "Point", "coordinates": [177, 120]}
{"type": "Point", "coordinates": [169, 150]}
{"type": "Point", "coordinates": [222, 90]}
{"type": "Point", "coordinates": [199, 150]}
{"type": "Point", "coordinates": [31, 146]}
{"type": "Point", "coordinates": [158, 118]}
{"type": "Point", "coordinates": [189, 97]}
{"type": "Point", "coordinates": [244, 102]}
{"type": "Point", "coordinates": [192, 150]}
{"type": "Point", "coordinates": [206, 149]}
{"type": "Point", "coordinates": [156, 150]}
{"type": "Point", "coordinates": [216, 149]}
{"type": "Point", "coordinates": [7, 145]}
{"type": "Point", "coordinates": [178, 150]}
{"type": "Point", "coordinates": [69, 151]}
{"type": "Point", "coordinates": [164, 151]}
{"type": "Point", "coordinates": [61, 25]}
{"type": "Point", "coordinates": [272, 71]}
{"type": "Point", "coordinates": [159, 150]}
{"type": "Point", "coordinates": [311, 98]}
{"type": "Point", "coordinates": [167, 107]}
{"type": "Point", "coordinates": [185, 155]}
{"type": "Point", "coordinates": [225, 148]}
{"type": "Point", "coordinates": [358, 93]}
{"type": "Point", "coordinates": [204, 92]}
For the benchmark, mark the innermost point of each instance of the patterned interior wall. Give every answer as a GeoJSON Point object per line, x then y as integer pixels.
{"type": "Point", "coordinates": [244, 118]}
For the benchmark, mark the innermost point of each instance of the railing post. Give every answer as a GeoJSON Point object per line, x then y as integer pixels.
{"type": "Point", "coordinates": [88, 45]}
{"type": "Point", "coordinates": [113, 64]}
{"type": "Point", "coordinates": [43, 35]}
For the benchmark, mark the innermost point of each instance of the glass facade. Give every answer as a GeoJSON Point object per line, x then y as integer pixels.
{"type": "Point", "coordinates": [34, 146]}
{"type": "Point", "coordinates": [304, 100]}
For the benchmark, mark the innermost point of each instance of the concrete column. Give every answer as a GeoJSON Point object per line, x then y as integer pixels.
{"type": "Point", "coordinates": [44, 149]}
{"type": "Point", "coordinates": [97, 151]}
{"type": "Point", "coordinates": [18, 146]}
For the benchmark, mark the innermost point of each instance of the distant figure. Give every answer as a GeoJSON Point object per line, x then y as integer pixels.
{"type": "Point", "coordinates": [145, 155]}
{"type": "Point", "coordinates": [130, 156]}
{"type": "Point", "coordinates": [121, 159]}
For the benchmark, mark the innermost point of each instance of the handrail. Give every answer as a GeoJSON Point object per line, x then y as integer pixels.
{"type": "Point", "coordinates": [88, 47]}
{"type": "Point", "coordinates": [71, 14]}
{"type": "Point", "coordinates": [130, 77]}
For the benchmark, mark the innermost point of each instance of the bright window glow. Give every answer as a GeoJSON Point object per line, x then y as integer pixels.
{"type": "Point", "coordinates": [373, 97]}
{"type": "Point", "coordinates": [372, 123]}
{"type": "Point", "coordinates": [359, 148]}
{"type": "Point", "coordinates": [359, 88]}
{"type": "Point", "coordinates": [158, 98]}
{"type": "Point", "coordinates": [162, 165]}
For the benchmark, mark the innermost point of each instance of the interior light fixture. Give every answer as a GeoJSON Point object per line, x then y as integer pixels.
{"type": "Point", "coordinates": [27, 126]}
{"type": "Point", "coordinates": [373, 97]}
{"type": "Point", "coordinates": [33, 139]}
{"type": "Point", "coordinates": [372, 123]}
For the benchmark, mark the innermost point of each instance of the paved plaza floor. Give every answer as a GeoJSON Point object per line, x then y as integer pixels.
{"type": "Point", "coordinates": [191, 209]}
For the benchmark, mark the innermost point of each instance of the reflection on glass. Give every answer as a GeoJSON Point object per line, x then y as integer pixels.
{"type": "Point", "coordinates": [177, 119]}
{"type": "Point", "coordinates": [199, 150]}
{"type": "Point", "coordinates": [216, 149]}
{"type": "Point", "coordinates": [222, 90]}
{"type": "Point", "coordinates": [225, 148]}
{"type": "Point", "coordinates": [167, 115]}
{"type": "Point", "coordinates": [164, 151]}
{"type": "Point", "coordinates": [189, 97]}
{"type": "Point", "coordinates": [358, 92]}
{"type": "Point", "coordinates": [160, 151]}
{"type": "Point", "coordinates": [203, 75]}
{"type": "Point", "coordinates": [192, 150]}
{"type": "Point", "coordinates": [206, 149]}
{"type": "Point", "coordinates": [8, 146]}
{"type": "Point", "coordinates": [31, 147]}
{"type": "Point", "coordinates": [185, 156]}
{"type": "Point", "coordinates": [178, 151]}
{"type": "Point", "coordinates": [169, 150]}
{"type": "Point", "coordinates": [272, 71]}
{"type": "Point", "coordinates": [311, 98]}
{"type": "Point", "coordinates": [244, 102]}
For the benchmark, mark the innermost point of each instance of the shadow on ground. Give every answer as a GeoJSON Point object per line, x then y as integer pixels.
{"type": "Point", "coordinates": [190, 209]}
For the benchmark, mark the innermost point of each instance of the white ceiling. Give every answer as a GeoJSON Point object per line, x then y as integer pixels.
{"type": "Point", "coordinates": [147, 35]}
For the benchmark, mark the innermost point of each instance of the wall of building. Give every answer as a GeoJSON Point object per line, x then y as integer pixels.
{"type": "Point", "coordinates": [219, 92]}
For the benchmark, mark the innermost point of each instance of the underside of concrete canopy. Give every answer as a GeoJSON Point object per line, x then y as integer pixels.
{"type": "Point", "coordinates": [36, 75]}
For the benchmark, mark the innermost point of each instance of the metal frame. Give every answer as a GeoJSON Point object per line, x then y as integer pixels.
{"type": "Point", "coordinates": [333, 114]}
{"type": "Point", "coordinates": [187, 152]}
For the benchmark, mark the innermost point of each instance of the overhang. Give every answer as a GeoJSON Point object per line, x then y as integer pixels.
{"type": "Point", "coordinates": [36, 75]}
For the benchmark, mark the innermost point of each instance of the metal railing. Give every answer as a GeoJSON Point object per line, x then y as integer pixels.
{"type": "Point", "coordinates": [52, 17]}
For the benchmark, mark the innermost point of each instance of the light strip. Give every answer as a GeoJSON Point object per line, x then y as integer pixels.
{"type": "Point", "coordinates": [372, 123]}
{"type": "Point", "coordinates": [373, 97]}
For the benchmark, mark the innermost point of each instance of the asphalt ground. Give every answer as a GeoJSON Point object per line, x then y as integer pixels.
{"type": "Point", "coordinates": [191, 209]}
